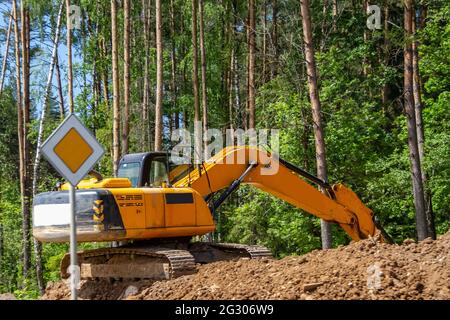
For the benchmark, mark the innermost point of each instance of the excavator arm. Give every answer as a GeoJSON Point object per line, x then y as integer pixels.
{"type": "Point", "coordinates": [251, 165]}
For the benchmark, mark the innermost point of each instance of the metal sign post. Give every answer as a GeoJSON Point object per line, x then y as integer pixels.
{"type": "Point", "coordinates": [74, 270]}
{"type": "Point", "coordinates": [73, 151]}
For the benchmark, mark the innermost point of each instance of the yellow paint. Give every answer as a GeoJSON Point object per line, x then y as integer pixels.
{"type": "Point", "coordinates": [178, 170]}
{"type": "Point", "coordinates": [105, 184]}
{"type": "Point", "coordinates": [180, 215]}
{"type": "Point", "coordinates": [173, 232]}
{"type": "Point", "coordinates": [154, 208]}
{"type": "Point", "coordinates": [204, 217]}
{"type": "Point", "coordinates": [350, 200]}
{"type": "Point", "coordinates": [73, 150]}
{"type": "Point", "coordinates": [145, 213]}
{"type": "Point", "coordinates": [132, 206]}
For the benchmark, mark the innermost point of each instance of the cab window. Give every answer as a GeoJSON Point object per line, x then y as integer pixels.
{"type": "Point", "coordinates": [131, 171]}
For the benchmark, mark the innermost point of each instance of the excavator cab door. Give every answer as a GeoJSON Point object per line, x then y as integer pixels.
{"type": "Point", "coordinates": [155, 171]}
{"type": "Point", "coordinates": [145, 169]}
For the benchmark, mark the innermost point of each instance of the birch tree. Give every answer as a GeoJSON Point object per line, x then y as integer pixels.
{"type": "Point", "coordinates": [6, 53]}
{"type": "Point", "coordinates": [37, 159]}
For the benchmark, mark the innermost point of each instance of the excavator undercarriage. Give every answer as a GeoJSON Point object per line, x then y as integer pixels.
{"type": "Point", "coordinates": [158, 260]}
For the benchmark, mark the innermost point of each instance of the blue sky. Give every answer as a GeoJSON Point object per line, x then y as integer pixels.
{"type": "Point", "coordinates": [40, 65]}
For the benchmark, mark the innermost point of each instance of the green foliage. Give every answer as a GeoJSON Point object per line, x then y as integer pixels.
{"type": "Point", "coordinates": [10, 220]}
{"type": "Point", "coordinates": [265, 220]}
{"type": "Point", "coordinates": [366, 139]}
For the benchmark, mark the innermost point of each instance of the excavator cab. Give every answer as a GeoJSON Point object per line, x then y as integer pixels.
{"type": "Point", "coordinates": [150, 169]}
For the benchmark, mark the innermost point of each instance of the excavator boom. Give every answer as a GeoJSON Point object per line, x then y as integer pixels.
{"type": "Point", "coordinates": [275, 176]}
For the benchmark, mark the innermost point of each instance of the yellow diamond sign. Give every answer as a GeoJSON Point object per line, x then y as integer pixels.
{"type": "Point", "coordinates": [64, 150]}
{"type": "Point", "coordinates": [72, 149]}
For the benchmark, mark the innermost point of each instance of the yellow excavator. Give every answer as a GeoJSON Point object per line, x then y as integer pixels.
{"type": "Point", "coordinates": [157, 208]}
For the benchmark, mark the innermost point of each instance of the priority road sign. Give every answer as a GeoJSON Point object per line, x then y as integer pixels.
{"type": "Point", "coordinates": [72, 150]}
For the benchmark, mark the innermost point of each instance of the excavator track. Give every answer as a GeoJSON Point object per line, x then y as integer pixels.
{"type": "Point", "coordinates": [157, 262]}
{"type": "Point", "coordinates": [132, 262]}
{"type": "Point", "coordinates": [207, 252]}
{"type": "Point", "coordinates": [254, 251]}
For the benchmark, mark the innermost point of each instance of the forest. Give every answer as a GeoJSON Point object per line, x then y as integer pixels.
{"type": "Point", "coordinates": [359, 91]}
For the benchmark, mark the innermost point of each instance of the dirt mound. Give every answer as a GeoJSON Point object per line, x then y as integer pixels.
{"type": "Point", "coordinates": [96, 290]}
{"type": "Point", "coordinates": [7, 296]}
{"type": "Point", "coordinates": [362, 270]}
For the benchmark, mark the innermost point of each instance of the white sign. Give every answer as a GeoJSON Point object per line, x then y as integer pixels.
{"type": "Point", "coordinates": [72, 150]}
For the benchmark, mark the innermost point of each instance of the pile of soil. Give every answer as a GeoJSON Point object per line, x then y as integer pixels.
{"type": "Point", "coordinates": [96, 290]}
{"type": "Point", "coordinates": [362, 270]}
{"type": "Point", "coordinates": [7, 296]}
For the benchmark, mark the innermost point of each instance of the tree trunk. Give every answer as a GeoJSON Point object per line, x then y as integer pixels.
{"type": "Point", "coordinates": [316, 111]}
{"type": "Point", "coordinates": [60, 90]}
{"type": "Point", "coordinates": [385, 90]}
{"type": "Point", "coordinates": [46, 103]}
{"type": "Point", "coordinates": [236, 85]}
{"type": "Point", "coordinates": [247, 84]}
{"type": "Point", "coordinates": [104, 73]}
{"type": "Point", "coordinates": [304, 140]}
{"type": "Point", "coordinates": [420, 133]}
{"type": "Point", "coordinates": [324, 23]}
{"type": "Point", "coordinates": [159, 79]}
{"type": "Point", "coordinates": [203, 62]}
{"type": "Point", "coordinates": [198, 137]}
{"type": "Point", "coordinates": [251, 65]}
{"type": "Point", "coordinates": [37, 159]}
{"type": "Point", "coordinates": [173, 72]}
{"type": "Point", "coordinates": [416, 172]}
{"type": "Point", "coordinates": [230, 89]}
{"type": "Point", "coordinates": [5, 55]}
{"type": "Point", "coordinates": [152, 45]}
{"type": "Point", "coordinates": [21, 135]}
{"type": "Point", "coordinates": [264, 42]}
{"type": "Point", "coordinates": [69, 58]}
{"type": "Point", "coordinates": [126, 75]}
{"type": "Point", "coordinates": [335, 13]}
{"type": "Point", "coordinates": [366, 38]}
{"type": "Point", "coordinates": [183, 86]}
{"type": "Point", "coordinates": [116, 88]}
{"type": "Point", "coordinates": [145, 98]}
{"type": "Point", "coordinates": [274, 65]}
{"type": "Point", "coordinates": [25, 40]}
{"type": "Point", "coordinates": [417, 98]}
{"type": "Point", "coordinates": [20, 130]}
